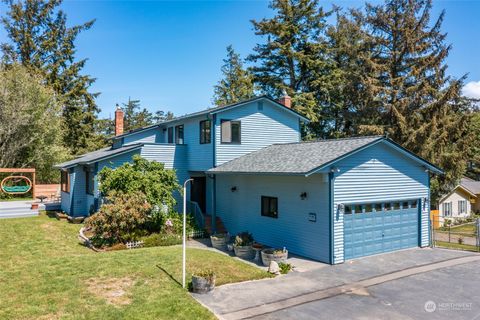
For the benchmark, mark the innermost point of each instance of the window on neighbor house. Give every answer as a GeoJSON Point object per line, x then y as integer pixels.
{"type": "Point", "coordinates": [447, 209]}
{"type": "Point", "coordinates": [205, 131]}
{"type": "Point", "coordinates": [231, 131]}
{"type": "Point", "coordinates": [65, 181]}
{"type": "Point", "coordinates": [269, 207]}
{"type": "Point", "coordinates": [89, 182]}
{"type": "Point", "coordinates": [170, 135]}
{"type": "Point", "coordinates": [462, 206]}
{"type": "Point", "coordinates": [179, 134]}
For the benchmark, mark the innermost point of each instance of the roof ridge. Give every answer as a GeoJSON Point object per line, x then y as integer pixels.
{"type": "Point", "coordinates": [330, 140]}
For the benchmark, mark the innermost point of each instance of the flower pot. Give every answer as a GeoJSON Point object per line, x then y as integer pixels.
{"type": "Point", "coordinates": [219, 243]}
{"type": "Point", "coordinates": [244, 252]}
{"type": "Point", "coordinates": [202, 284]}
{"type": "Point", "coordinates": [276, 255]}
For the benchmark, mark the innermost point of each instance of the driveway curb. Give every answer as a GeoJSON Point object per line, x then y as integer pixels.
{"type": "Point", "coordinates": [351, 288]}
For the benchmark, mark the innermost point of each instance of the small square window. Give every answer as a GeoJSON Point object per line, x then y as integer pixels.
{"type": "Point", "coordinates": [368, 208]}
{"type": "Point", "coordinates": [396, 205]}
{"type": "Point", "coordinates": [387, 206]}
{"type": "Point", "coordinates": [378, 207]}
{"type": "Point", "coordinates": [413, 204]}
{"type": "Point", "coordinates": [231, 131]}
{"type": "Point", "coordinates": [405, 205]}
{"type": "Point", "coordinates": [348, 209]}
{"type": "Point", "coordinates": [358, 208]}
{"type": "Point", "coordinates": [270, 207]}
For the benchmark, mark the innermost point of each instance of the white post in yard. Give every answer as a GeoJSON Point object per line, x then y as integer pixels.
{"type": "Point", "coordinates": [184, 229]}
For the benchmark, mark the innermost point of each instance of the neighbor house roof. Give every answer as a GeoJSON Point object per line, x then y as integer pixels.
{"type": "Point", "coordinates": [98, 155]}
{"type": "Point", "coordinates": [305, 158]}
{"type": "Point", "coordinates": [213, 111]}
{"type": "Point", "coordinates": [471, 185]}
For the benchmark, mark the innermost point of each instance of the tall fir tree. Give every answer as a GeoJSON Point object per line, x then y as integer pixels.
{"type": "Point", "coordinates": [294, 57]}
{"type": "Point", "coordinates": [236, 84]}
{"type": "Point", "coordinates": [135, 117]}
{"type": "Point", "coordinates": [40, 40]}
{"type": "Point", "coordinates": [421, 107]}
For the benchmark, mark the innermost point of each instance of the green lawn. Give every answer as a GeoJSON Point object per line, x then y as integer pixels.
{"type": "Point", "coordinates": [46, 274]}
{"type": "Point", "coordinates": [465, 228]}
{"type": "Point", "coordinates": [451, 245]}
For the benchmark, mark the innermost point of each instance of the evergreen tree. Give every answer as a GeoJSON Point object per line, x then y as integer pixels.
{"type": "Point", "coordinates": [136, 117]}
{"type": "Point", "coordinates": [237, 83]}
{"type": "Point", "coordinates": [421, 107]}
{"type": "Point", "coordinates": [41, 41]}
{"type": "Point", "coordinates": [161, 116]}
{"type": "Point", "coordinates": [295, 57]}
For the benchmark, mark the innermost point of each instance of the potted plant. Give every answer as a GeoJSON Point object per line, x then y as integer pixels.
{"type": "Point", "coordinates": [272, 254]}
{"type": "Point", "coordinates": [243, 245]}
{"type": "Point", "coordinates": [219, 240]}
{"type": "Point", "coordinates": [203, 281]}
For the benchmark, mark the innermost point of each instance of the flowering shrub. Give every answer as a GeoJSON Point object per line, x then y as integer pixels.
{"type": "Point", "coordinates": [119, 220]}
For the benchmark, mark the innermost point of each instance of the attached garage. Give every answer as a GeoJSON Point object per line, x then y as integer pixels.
{"type": "Point", "coordinates": [337, 199]}
{"type": "Point", "coordinates": [374, 228]}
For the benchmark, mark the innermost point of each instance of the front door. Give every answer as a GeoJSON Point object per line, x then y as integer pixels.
{"type": "Point", "coordinates": [198, 191]}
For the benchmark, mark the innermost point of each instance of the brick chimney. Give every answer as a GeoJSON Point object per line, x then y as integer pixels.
{"type": "Point", "coordinates": [286, 100]}
{"type": "Point", "coordinates": [118, 121]}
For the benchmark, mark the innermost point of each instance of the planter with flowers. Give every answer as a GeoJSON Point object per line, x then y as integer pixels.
{"type": "Point", "coordinates": [219, 241]}
{"type": "Point", "coordinates": [203, 281]}
{"type": "Point", "coordinates": [277, 255]}
{"type": "Point", "coordinates": [243, 245]}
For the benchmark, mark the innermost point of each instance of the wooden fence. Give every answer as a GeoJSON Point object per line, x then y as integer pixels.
{"type": "Point", "coordinates": [52, 191]}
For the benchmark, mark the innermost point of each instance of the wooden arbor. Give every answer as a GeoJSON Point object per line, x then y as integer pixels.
{"type": "Point", "coordinates": [22, 170]}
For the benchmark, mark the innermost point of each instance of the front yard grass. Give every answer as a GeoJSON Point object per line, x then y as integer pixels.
{"type": "Point", "coordinates": [46, 274]}
{"type": "Point", "coordinates": [451, 245]}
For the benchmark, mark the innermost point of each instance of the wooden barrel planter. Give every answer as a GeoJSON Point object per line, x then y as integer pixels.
{"type": "Point", "coordinates": [203, 282]}
{"type": "Point", "coordinates": [244, 252]}
{"type": "Point", "coordinates": [277, 255]}
{"type": "Point", "coordinates": [219, 241]}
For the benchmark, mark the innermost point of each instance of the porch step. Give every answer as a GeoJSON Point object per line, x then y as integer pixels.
{"type": "Point", "coordinates": [220, 228]}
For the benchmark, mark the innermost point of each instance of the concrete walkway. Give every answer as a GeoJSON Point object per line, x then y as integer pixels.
{"type": "Point", "coordinates": [249, 299]}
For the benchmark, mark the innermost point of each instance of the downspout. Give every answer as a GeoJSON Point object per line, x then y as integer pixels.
{"type": "Point", "coordinates": [214, 187]}
{"type": "Point", "coordinates": [331, 180]}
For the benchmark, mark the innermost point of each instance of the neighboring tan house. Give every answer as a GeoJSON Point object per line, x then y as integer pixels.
{"type": "Point", "coordinates": [461, 201]}
{"type": "Point", "coordinates": [329, 200]}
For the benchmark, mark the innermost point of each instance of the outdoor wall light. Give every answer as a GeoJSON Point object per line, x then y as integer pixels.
{"type": "Point", "coordinates": [341, 208]}
{"type": "Point", "coordinates": [233, 189]}
{"type": "Point", "coordinates": [303, 195]}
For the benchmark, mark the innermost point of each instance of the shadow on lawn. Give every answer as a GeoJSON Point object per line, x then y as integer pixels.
{"type": "Point", "coordinates": [168, 274]}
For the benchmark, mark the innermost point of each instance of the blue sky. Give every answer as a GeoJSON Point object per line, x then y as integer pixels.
{"type": "Point", "coordinates": [168, 53]}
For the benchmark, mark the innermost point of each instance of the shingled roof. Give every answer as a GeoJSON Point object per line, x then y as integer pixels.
{"type": "Point", "coordinates": [294, 158]}
{"type": "Point", "coordinates": [98, 155]}
{"type": "Point", "coordinates": [304, 158]}
{"type": "Point", "coordinates": [471, 185]}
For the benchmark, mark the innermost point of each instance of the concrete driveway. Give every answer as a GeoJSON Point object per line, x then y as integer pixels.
{"type": "Point", "coordinates": [402, 285]}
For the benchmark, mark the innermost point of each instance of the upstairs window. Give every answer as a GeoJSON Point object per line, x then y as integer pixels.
{"type": "Point", "coordinates": [205, 131]}
{"type": "Point", "coordinates": [170, 135]}
{"type": "Point", "coordinates": [270, 207]}
{"type": "Point", "coordinates": [65, 181]}
{"type": "Point", "coordinates": [179, 134]}
{"type": "Point", "coordinates": [231, 131]}
{"type": "Point", "coordinates": [89, 182]}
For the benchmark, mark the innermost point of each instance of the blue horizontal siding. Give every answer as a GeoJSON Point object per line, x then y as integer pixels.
{"type": "Point", "coordinates": [150, 135]}
{"type": "Point", "coordinates": [240, 211]}
{"type": "Point", "coordinates": [262, 124]}
{"type": "Point", "coordinates": [378, 173]}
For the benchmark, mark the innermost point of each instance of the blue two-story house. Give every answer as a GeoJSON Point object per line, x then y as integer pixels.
{"type": "Point", "coordinates": [328, 200]}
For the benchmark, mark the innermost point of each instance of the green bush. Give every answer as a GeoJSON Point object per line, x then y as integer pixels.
{"type": "Point", "coordinates": [120, 220]}
{"type": "Point", "coordinates": [285, 267]}
{"type": "Point", "coordinates": [149, 177]}
{"type": "Point", "coordinates": [159, 239]}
